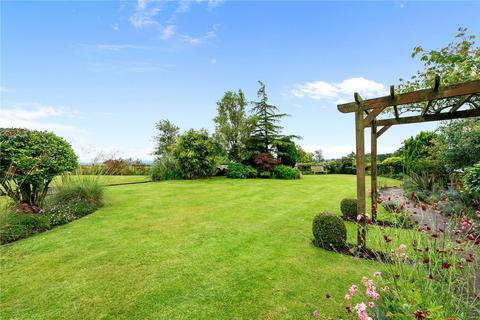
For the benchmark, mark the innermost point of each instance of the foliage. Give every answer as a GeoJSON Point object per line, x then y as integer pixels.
{"type": "Point", "coordinates": [329, 231]}
{"type": "Point", "coordinates": [165, 168]}
{"type": "Point", "coordinates": [265, 162]}
{"type": "Point", "coordinates": [459, 61]}
{"type": "Point", "coordinates": [471, 181]}
{"type": "Point", "coordinates": [168, 134]}
{"type": "Point", "coordinates": [15, 225]}
{"type": "Point", "coordinates": [240, 171]}
{"type": "Point", "coordinates": [233, 126]}
{"type": "Point", "coordinates": [266, 130]}
{"type": "Point", "coordinates": [118, 166]}
{"type": "Point", "coordinates": [285, 172]}
{"type": "Point", "coordinates": [286, 151]}
{"type": "Point", "coordinates": [416, 148]}
{"type": "Point", "coordinates": [74, 198]}
{"type": "Point", "coordinates": [305, 167]}
{"type": "Point", "coordinates": [461, 147]}
{"type": "Point", "coordinates": [29, 161]}
{"type": "Point", "coordinates": [344, 165]}
{"type": "Point", "coordinates": [392, 166]}
{"type": "Point", "coordinates": [303, 156]}
{"type": "Point", "coordinates": [196, 154]}
{"type": "Point", "coordinates": [348, 207]}
{"type": "Point", "coordinates": [317, 156]}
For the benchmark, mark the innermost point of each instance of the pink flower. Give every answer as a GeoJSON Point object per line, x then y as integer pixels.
{"type": "Point", "coordinates": [347, 297]}
{"type": "Point", "coordinates": [477, 213]}
{"type": "Point", "coordinates": [353, 289]}
{"type": "Point", "coordinates": [359, 217]}
{"type": "Point", "coordinates": [402, 246]}
{"type": "Point", "coordinates": [315, 313]}
{"type": "Point", "coordinates": [371, 304]}
{"type": "Point", "coordinates": [371, 293]}
{"type": "Point", "coordinates": [362, 312]}
{"type": "Point", "coordinates": [377, 274]}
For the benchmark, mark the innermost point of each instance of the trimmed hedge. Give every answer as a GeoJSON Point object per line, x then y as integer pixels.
{"type": "Point", "coordinates": [348, 206]}
{"type": "Point", "coordinates": [329, 231]}
{"type": "Point", "coordinates": [285, 172]}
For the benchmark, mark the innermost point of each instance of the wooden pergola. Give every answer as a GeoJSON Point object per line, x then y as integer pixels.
{"type": "Point", "coordinates": [461, 100]}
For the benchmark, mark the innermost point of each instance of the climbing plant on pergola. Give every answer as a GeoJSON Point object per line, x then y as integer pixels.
{"type": "Point", "coordinates": [460, 100]}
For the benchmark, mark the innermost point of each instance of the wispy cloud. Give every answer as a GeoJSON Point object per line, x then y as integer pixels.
{"type": "Point", "coordinates": [144, 14]}
{"type": "Point", "coordinates": [199, 40]}
{"type": "Point", "coordinates": [341, 91]}
{"type": "Point", "coordinates": [168, 32]}
{"type": "Point", "coordinates": [34, 116]}
{"type": "Point", "coordinates": [118, 47]}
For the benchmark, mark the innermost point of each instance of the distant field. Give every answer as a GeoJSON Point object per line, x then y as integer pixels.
{"type": "Point", "coordinates": [202, 249]}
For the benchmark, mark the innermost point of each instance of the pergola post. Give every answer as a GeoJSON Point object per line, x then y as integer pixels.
{"type": "Point", "coordinates": [360, 157]}
{"type": "Point", "coordinates": [373, 169]}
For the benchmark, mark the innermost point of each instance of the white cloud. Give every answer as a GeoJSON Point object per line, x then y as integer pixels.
{"type": "Point", "coordinates": [144, 15]}
{"type": "Point", "coordinates": [168, 32]}
{"type": "Point", "coordinates": [213, 61]}
{"type": "Point", "coordinates": [342, 91]}
{"type": "Point", "coordinates": [33, 116]}
{"type": "Point", "coordinates": [199, 40]}
{"type": "Point", "coordinates": [118, 47]}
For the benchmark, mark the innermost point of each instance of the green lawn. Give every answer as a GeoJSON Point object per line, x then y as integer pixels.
{"type": "Point", "coordinates": [204, 249]}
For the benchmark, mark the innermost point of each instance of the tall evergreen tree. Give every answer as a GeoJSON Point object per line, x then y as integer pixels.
{"type": "Point", "coordinates": [266, 131]}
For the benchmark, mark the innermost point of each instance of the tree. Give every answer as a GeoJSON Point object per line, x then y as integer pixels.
{"type": "Point", "coordinates": [266, 131]}
{"type": "Point", "coordinates": [196, 154]}
{"type": "Point", "coordinates": [232, 125]}
{"type": "Point", "coordinates": [167, 137]}
{"type": "Point", "coordinates": [318, 156]}
{"type": "Point", "coordinates": [29, 160]}
{"type": "Point", "coordinates": [461, 143]}
{"type": "Point", "coordinates": [457, 62]}
{"type": "Point", "coordinates": [303, 156]}
{"type": "Point", "coordinates": [286, 151]}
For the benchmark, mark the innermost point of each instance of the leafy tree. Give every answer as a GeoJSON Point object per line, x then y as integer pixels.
{"type": "Point", "coordinates": [303, 156]}
{"type": "Point", "coordinates": [29, 161]}
{"type": "Point", "coordinates": [416, 148]}
{"type": "Point", "coordinates": [318, 156]}
{"type": "Point", "coordinates": [457, 62]}
{"type": "Point", "coordinates": [266, 131]}
{"type": "Point", "coordinates": [461, 147]}
{"type": "Point", "coordinates": [232, 125]}
{"type": "Point", "coordinates": [286, 151]}
{"type": "Point", "coordinates": [167, 137]}
{"type": "Point", "coordinates": [196, 154]}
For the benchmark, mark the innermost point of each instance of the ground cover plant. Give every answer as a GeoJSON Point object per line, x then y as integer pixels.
{"type": "Point", "coordinates": [204, 249]}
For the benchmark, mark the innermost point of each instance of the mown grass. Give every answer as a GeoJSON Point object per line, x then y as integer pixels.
{"type": "Point", "coordinates": [204, 249]}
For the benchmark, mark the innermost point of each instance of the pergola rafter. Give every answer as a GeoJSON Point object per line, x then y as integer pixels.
{"type": "Point", "coordinates": [450, 97]}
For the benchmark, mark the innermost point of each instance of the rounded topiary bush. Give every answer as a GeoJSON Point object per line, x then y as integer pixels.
{"type": "Point", "coordinates": [329, 231]}
{"type": "Point", "coordinates": [349, 208]}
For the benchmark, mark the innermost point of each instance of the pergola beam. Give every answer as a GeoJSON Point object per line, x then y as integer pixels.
{"type": "Point", "coordinates": [433, 117]}
{"type": "Point", "coordinates": [454, 90]}
{"type": "Point", "coordinates": [383, 130]}
{"type": "Point", "coordinates": [436, 85]}
{"type": "Point", "coordinates": [460, 103]}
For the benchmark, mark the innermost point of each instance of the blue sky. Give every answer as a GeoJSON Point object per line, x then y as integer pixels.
{"type": "Point", "coordinates": [101, 74]}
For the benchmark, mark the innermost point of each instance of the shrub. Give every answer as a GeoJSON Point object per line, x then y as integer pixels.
{"type": "Point", "coordinates": [348, 207]}
{"type": "Point", "coordinates": [165, 168]}
{"type": "Point", "coordinates": [471, 181]}
{"type": "Point", "coordinates": [29, 161]}
{"type": "Point", "coordinates": [75, 198]}
{"type": "Point", "coordinates": [240, 171]}
{"type": "Point", "coordinates": [265, 162]}
{"type": "Point", "coordinates": [285, 172]}
{"type": "Point", "coordinates": [196, 154]}
{"type": "Point", "coordinates": [329, 231]}
{"type": "Point", "coordinates": [15, 226]}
